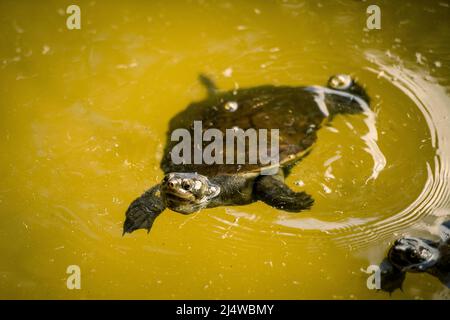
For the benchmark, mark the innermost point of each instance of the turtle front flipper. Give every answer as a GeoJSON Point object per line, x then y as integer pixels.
{"type": "Point", "coordinates": [274, 192]}
{"type": "Point", "coordinates": [143, 211]}
{"type": "Point", "coordinates": [392, 278]}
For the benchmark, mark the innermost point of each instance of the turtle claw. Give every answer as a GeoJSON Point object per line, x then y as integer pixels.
{"type": "Point", "coordinates": [278, 195]}
{"type": "Point", "coordinates": [305, 200]}
{"type": "Point", "coordinates": [297, 202]}
{"type": "Point", "coordinates": [143, 211]}
{"type": "Point", "coordinates": [392, 278]}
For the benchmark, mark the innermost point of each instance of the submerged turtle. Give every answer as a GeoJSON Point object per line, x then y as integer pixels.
{"type": "Point", "coordinates": [410, 254]}
{"type": "Point", "coordinates": [297, 112]}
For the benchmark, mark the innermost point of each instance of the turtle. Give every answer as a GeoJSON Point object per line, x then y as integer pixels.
{"type": "Point", "coordinates": [297, 112]}
{"type": "Point", "coordinates": [412, 254]}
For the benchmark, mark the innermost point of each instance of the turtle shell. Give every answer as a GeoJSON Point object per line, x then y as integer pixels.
{"type": "Point", "coordinates": [294, 111]}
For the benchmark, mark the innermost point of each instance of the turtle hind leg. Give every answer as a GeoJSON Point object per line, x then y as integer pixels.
{"type": "Point", "coordinates": [274, 192]}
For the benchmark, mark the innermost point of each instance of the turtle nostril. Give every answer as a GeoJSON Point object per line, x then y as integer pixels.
{"type": "Point", "coordinates": [171, 184]}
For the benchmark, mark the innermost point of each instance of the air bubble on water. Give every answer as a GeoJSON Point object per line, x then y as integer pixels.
{"type": "Point", "coordinates": [257, 11]}
{"type": "Point", "coordinates": [127, 163]}
{"type": "Point", "coordinates": [241, 27]}
{"type": "Point", "coordinates": [227, 72]}
{"type": "Point", "coordinates": [299, 183]}
{"type": "Point", "coordinates": [438, 64]}
{"type": "Point", "coordinates": [326, 189]}
{"type": "Point", "coordinates": [231, 106]}
{"type": "Point", "coordinates": [45, 49]}
{"type": "Point", "coordinates": [419, 58]}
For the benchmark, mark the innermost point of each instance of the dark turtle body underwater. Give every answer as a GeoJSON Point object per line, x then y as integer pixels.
{"type": "Point", "coordinates": [297, 112]}
{"type": "Point", "coordinates": [410, 254]}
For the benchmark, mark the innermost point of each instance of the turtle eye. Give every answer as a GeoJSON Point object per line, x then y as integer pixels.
{"type": "Point", "coordinates": [186, 185]}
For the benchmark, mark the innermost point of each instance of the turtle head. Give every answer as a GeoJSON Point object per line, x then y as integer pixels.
{"type": "Point", "coordinates": [344, 82]}
{"type": "Point", "coordinates": [187, 192]}
{"type": "Point", "coordinates": [413, 254]}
